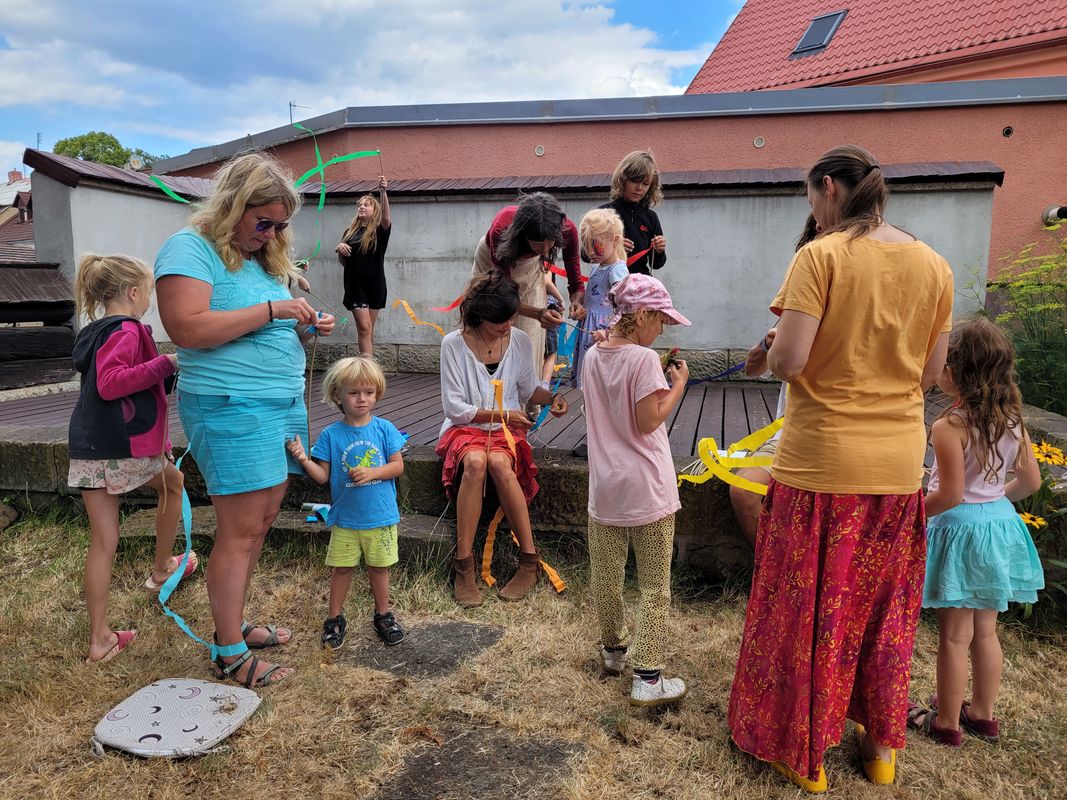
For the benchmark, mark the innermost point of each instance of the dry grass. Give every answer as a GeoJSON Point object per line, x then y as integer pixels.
{"type": "Point", "coordinates": [342, 731]}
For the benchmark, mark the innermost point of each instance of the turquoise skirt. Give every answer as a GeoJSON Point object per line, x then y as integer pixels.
{"type": "Point", "coordinates": [238, 443]}
{"type": "Point", "coordinates": [980, 555]}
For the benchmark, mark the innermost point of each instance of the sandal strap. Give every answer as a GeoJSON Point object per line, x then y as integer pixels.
{"type": "Point", "coordinates": [228, 670]}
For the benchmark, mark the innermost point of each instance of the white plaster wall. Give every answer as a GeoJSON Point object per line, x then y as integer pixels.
{"type": "Point", "coordinates": [727, 251]}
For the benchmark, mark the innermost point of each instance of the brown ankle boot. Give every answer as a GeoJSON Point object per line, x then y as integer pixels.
{"type": "Point", "coordinates": [464, 589]}
{"type": "Point", "coordinates": [523, 581]}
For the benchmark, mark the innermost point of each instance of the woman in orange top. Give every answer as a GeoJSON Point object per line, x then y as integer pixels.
{"type": "Point", "coordinates": [865, 312]}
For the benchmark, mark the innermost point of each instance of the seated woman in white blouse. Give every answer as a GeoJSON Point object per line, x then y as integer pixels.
{"type": "Point", "coordinates": [472, 441]}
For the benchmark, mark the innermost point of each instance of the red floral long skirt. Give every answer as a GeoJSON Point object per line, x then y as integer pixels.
{"type": "Point", "coordinates": [830, 623]}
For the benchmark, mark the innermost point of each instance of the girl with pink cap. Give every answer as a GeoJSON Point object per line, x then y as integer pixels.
{"type": "Point", "coordinates": [633, 490]}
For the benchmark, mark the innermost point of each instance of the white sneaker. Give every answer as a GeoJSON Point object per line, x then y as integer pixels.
{"type": "Point", "coordinates": [662, 692]}
{"type": "Point", "coordinates": [614, 661]}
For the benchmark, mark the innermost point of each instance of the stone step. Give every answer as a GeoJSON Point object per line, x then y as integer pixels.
{"type": "Point", "coordinates": [422, 538]}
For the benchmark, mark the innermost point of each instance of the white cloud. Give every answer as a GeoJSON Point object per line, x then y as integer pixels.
{"type": "Point", "coordinates": [11, 158]}
{"type": "Point", "coordinates": [199, 71]}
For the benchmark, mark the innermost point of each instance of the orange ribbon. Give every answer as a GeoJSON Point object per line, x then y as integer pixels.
{"type": "Point", "coordinates": [490, 536]}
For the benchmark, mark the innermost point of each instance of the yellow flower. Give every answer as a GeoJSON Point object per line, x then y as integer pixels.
{"type": "Point", "coordinates": [1046, 453]}
{"type": "Point", "coordinates": [1032, 521]}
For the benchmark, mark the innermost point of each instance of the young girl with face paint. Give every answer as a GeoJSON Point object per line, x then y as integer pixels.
{"type": "Point", "coordinates": [601, 236]}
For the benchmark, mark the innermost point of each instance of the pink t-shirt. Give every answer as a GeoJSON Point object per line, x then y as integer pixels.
{"type": "Point", "coordinates": [631, 474]}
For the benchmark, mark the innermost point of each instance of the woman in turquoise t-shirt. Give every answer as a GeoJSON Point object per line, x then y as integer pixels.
{"type": "Point", "coordinates": [225, 302]}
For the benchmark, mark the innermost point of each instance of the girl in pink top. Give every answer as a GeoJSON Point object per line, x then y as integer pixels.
{"type": "Point", "coordinates": [633, 491]}
{"type": "Point", "coordinates": [118, 431]}
{"type": "Point", "coordinates": [979, 555]}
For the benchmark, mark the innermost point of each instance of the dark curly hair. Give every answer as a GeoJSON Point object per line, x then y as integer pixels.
{"type": "Point", "coordinates": [493, 297]}
{"type": "Point", "coordinates": [538, 218]}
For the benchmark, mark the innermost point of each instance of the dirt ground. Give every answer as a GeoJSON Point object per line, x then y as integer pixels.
{"type": "Point", "coordinates": [505, 701]}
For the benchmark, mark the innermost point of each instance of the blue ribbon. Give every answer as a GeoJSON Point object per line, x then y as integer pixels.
{"type": "Point", "coordinates": [564, 349]}
{"type": "Point", "coordinates": [175, 578]}
{"type": "Point", "coordinates": [723, 374]}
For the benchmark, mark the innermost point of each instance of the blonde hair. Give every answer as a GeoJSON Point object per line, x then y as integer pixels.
{"type": "Point", "coordinates": [249, 181]}
{"type": "Point", "coordinates": [369, 239]}
{"type": "Point", "coordinates": [358, 370]}
{"type": "Point", "coordinates": [100, 279]}
{"type": "Point", "coordinates": [638, 166]}
{"type": "Point", "coordinates": [602, 224]}
{"type": "Point", "coordinates": [627, 324]}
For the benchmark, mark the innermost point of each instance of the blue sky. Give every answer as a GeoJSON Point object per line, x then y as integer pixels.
{"type": "Point", "coordinates": [171, 77]}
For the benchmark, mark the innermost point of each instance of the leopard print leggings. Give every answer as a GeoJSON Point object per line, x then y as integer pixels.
{"type": "Point", "coordinates": [653, 547]}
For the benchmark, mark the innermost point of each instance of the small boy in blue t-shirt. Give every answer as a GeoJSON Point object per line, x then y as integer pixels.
{"type": "Point", "coordinates": [360, 457]}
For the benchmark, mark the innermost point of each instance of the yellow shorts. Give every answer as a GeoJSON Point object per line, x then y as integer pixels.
{"type": "Point", "coordinates": [376, 546]}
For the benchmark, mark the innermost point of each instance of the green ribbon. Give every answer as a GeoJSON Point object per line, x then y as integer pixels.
{"type": "Point", "coordinates": [166, 189]}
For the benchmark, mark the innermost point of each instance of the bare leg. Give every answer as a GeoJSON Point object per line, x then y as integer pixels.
{"type": "Point", "coordinates": [549, 368]}
{"type": "Point", "coordinates": [379, 587]}
{"type": "Point", "coordinates": [469, 502]}
{"type": "Point", "coordinates": [340, 583]}
{"type": "Point", "coordinates": [237, 543]}
{"type": "Point", "coordinates": [274, 502]}
{"type": "Point", "coordinates": [988, 663]}
{"type": "Point", "coordinates": [168, 514]}
{"type": "Point", "coordinates": [512, 500]}
{"type": "Point", "coordinates": [365, 319]}
{"type": "Point", "coordinates": [956, 631]}
{"type": "Point", "coordinates": [747, 505]}
{"type": "Point", "coordinates": [103, 510]}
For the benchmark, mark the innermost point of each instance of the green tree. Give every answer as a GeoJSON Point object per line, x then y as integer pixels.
{"type": "Point", "coordinates": [102, 148]}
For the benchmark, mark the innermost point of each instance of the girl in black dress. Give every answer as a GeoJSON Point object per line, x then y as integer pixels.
{"type": "Point", "coordinates": [362, 254]}
{"type": "Point", "coordinates": [635, 188]}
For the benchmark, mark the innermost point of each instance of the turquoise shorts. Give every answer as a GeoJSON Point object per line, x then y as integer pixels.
{"type": "Point", "coordinates": [376, 546]}
{"type": "Point", "coordinates": [239, 442]}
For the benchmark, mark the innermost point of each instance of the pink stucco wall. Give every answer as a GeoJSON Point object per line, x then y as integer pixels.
{"type": "Point", "coordinates": [1035, 171]}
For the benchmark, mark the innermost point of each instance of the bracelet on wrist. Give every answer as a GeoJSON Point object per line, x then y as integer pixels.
{"type": "Point", "coordinates": [270, 311]}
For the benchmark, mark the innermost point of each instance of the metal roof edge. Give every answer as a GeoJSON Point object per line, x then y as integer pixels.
{"type": "Point", "coordinates": [822, 99]}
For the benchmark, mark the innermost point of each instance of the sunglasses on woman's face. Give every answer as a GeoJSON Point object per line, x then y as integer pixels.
{"type": "Point", "coordinates": [266, 224]}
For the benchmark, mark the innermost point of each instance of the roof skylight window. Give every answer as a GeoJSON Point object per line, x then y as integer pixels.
{"type": "Point", "coordinates": [818, 35]}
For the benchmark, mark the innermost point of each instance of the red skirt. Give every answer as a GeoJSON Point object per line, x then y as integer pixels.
{"type": "Point", "coordinates": [830, 623]}
{"type": "Point", "coordinates": [461, 440]}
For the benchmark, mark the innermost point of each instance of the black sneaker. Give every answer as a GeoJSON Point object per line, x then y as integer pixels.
{"type": "Point", "coordinates": [390, 631]}
{"type": "Point", "coordinates": [580, 451]}
{"type": "Point", "coordinates": [333, 631]}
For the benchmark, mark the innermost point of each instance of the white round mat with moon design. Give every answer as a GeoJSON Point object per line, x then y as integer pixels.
{"type": "Point", "coordinates": [175, 717]}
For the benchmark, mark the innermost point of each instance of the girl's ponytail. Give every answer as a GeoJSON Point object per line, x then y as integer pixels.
{"type": "Point", "coordinates": [103, 278]}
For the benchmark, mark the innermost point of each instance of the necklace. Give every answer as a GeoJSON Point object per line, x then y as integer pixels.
{"type": "Point", "coordinates": [489, 346]}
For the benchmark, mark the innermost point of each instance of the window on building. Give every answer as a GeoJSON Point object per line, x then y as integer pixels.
{"type": "Point", "coordinates": [818, 35]}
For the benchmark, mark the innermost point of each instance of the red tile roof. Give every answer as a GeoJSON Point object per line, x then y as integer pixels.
{"type": "Point", "coordinates": [876, 36]}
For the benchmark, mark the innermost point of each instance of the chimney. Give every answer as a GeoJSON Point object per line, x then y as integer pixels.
{"type": "Point", "coordinates": [14, 175]}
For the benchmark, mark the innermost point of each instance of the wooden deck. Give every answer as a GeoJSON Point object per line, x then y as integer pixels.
{"type": "Point", "coordinates": [727, 411]}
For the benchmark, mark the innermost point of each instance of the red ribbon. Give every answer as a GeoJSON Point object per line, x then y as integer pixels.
{"type": "Point", "coordinates": [637, 256]}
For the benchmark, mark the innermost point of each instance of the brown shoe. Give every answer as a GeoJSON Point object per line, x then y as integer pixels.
{"type": "Point", "coordinates": [523, 581]}
{"type": "Point", "coordinates": [464, 588]}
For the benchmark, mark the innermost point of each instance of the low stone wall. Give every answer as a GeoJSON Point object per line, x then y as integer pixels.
{"type": "Point", "coordinates": [34, 461]}
{"type": "Point", "coordinates": [426, 359]}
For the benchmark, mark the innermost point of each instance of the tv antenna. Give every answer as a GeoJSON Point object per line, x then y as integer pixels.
{"type": "Point", "coordinates": [293, 105]}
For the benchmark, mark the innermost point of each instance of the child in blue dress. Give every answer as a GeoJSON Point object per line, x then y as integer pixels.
{"type": "Point", "coordinates": [602, 242]}
{"type": "Point", "coordinates": [979, 554]}
{"type": "Point", "coordinates": [360, 457]}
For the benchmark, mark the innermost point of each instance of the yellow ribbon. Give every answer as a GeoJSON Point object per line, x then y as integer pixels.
{"type": "Point", "coordinates": [415, 319]}
{"type": "Point", "coordinates": [721, 466]}
{"type": "Point", "coordinates": [498, 393]}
